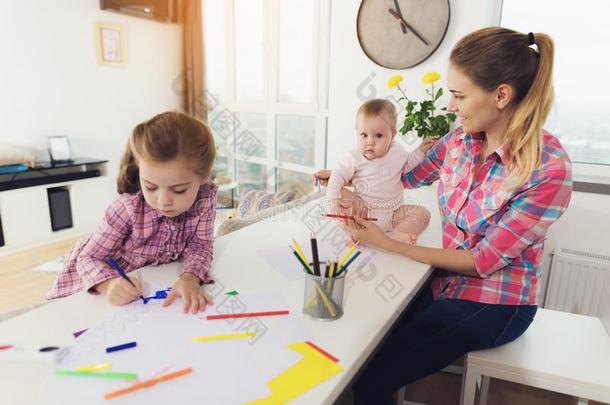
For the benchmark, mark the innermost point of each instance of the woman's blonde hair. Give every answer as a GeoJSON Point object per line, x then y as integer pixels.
{"type": "Point", "coordinates": [166, 136]}
{"type": "Point", "coordinates": [494, 56]}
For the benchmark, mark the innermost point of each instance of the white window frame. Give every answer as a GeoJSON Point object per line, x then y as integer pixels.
{"type": "Point", "coordinates": [270, 105]}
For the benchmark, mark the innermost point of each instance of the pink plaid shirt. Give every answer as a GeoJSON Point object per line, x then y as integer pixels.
{"type": "Point", "coordinates": [136, 235]}
{"type": "Point", "coordinates": [504, 229]}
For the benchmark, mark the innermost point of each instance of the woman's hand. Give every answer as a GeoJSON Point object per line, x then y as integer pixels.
{"type": "Point", "coordinates": [428, 144]}
{"type": "Point", "coordinates": [368, 233]}
{"type": "Point", "coordinates": [119, 291]}
{"type": "Point", "coordinates": [187, 287]}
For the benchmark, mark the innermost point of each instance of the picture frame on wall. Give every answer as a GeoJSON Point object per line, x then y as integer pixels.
{"type": "Point", "coordinates": [110, 44]}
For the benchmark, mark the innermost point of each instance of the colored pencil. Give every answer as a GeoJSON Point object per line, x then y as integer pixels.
{"type": "Point", "coordinates": [348, 217]}
{"type": "Point", "coordinates": [344, 268]}
{"type": "Point", "coordinates": [301, 256]}
{"type": "Point", "coordinates": [314, 254]}
{"type": "Point", "coordinates": [348, 254]}
{"type": "Point", "coordinates": [247, 315]}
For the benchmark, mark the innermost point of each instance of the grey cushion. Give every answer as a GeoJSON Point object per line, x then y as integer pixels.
{"type": "Point", "coordinates": [251, 215]}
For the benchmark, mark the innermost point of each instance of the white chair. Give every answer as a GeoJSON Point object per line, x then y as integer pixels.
{"type": "Point", "coordinates": [560, 352]}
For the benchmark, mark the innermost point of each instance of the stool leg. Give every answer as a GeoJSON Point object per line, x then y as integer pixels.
{"type": "Point", "coordinates": [469, 385]}
{"type": "Point", "coordinates": [484, 390]}
{"type": "Point", "coordinates": [400, 396]}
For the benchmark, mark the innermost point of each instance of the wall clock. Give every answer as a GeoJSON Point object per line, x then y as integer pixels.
{"type": "Point", "coordinates": [400, 34]}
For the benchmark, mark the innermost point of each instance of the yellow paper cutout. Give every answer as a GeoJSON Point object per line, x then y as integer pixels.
{"type": "Point", "coordinates": [312, 370]}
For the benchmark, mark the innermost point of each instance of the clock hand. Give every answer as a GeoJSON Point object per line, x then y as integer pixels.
{"type": "Point", "coordinates": [407, 25]}
{"type": "Point", "coordinates": [403, 24]}
{"type": "Point", "coordinates": [404, 28]}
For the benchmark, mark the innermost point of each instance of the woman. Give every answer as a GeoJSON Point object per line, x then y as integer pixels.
{"type": "Point", "coordinates": [502, 182]}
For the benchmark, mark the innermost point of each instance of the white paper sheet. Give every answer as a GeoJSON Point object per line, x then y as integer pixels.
{"type": "Point", "coordinates": [165, 344]}
{"type": "Point", "coordinates": [283, 261]}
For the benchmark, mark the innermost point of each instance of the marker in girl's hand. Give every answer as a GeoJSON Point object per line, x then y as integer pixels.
{"type": "Point", "coordinates": [113, 263]}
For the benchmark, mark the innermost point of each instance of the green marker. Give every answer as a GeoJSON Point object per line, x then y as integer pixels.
{"type": "Point", "coordinates": [97, 374]}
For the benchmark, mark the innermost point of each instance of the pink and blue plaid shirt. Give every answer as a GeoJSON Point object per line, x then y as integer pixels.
{"type": "Point", "coordinates": [136, 235]}
{"type": "Point", "coordinates": [504, 229]}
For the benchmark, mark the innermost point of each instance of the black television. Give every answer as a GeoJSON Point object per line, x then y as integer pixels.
{"type": "Point", "coordinates": [159, 10]}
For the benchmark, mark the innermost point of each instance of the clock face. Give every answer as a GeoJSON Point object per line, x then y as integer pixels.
{"type": "Point", "coordinates": [400, 34]}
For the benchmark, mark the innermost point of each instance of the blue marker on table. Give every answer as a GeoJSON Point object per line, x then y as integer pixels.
{"type": "Point", "coordinates": [121, 272]}
{"type": "Point", "coordinates": [121, 347]}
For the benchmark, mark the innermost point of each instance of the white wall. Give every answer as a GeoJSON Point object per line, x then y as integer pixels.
{"type": "Point", "coordinates": [354, 78]}
{"type": "Point", "coordinates": [52, 84]}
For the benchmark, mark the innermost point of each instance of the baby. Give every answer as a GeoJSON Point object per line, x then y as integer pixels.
{"type": "Point", "coordinates": [375, 169]}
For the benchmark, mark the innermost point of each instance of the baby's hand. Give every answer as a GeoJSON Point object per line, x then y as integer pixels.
{"type": "Point", "coordinates": [323, 176]}
{"type": "Point", "coordinates": [119, 291]}
{"type": "Point", "coordinates": [428, 144]}
{"type": "Point", "coordinates": [187, 287]}
{"type": "Point", "coordinates": [343, 206]}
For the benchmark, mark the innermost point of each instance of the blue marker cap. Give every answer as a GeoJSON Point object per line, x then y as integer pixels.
{"type": "Point", "coordinates": [121, 347]}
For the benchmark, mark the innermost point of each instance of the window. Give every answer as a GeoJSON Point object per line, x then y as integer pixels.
{"type": "Point", "coordinates": [580, 115]}
{"type": "Point", "coordinates": [267, 74]}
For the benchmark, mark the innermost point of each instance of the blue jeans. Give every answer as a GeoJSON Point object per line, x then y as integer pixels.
{"type": "Point", "coordinates": [432, 336]}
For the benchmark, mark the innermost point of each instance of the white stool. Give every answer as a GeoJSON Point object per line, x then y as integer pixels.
{"type": "Point", "coordinates": [560, 352]}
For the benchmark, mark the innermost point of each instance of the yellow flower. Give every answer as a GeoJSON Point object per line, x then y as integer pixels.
{"type": "Point", "coordinates": [430, 77]}
{"type": "Point", "coordinates": [394, 81]}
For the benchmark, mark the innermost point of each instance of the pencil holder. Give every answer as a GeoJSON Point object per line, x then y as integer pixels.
{"type": "Point", "coordinates": [323, 298]}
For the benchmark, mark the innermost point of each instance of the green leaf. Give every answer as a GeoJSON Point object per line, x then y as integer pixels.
{"type": "Point", "coordinates": [439, 93]}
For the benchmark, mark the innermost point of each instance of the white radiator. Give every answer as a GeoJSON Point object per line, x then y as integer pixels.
{"type": "Point", "coordinates": [577, 282]}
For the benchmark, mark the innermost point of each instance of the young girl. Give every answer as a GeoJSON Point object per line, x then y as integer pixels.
{"type": "Point", "coordinates": [164, 213]}
{"type": "Point", "coordinates": [374, 168]}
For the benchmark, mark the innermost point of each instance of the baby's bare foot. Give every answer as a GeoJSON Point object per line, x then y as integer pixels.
{"type": "Point", "coordinates": [408, 238]}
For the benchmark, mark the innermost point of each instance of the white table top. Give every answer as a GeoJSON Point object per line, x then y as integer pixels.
{"type": "Point", "coordinates": [368, 315]}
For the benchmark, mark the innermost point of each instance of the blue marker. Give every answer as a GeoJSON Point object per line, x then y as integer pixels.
{"type": "Point", "coordinates": [121, 347]}
{"type": "Point", "coordinates": [121, 272]}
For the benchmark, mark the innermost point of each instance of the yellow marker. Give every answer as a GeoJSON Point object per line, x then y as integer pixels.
{"type": "Point", "coordinates": [300, 253]}
{"type": "Point", "coordinates": [347, 255]}
{"type": "Point", "coordinates": [312, 370]}
{"type": "Point", "coordinates": [97, 367]}
{"type": "Point", "coordinates": [224, 337]}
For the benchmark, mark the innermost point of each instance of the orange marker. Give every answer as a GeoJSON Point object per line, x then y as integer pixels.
{"type": "Point", "coordinates": [148, 383]}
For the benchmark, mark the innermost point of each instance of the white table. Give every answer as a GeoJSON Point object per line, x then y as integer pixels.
{"type": "Point", "coordinates": [371, 306]}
